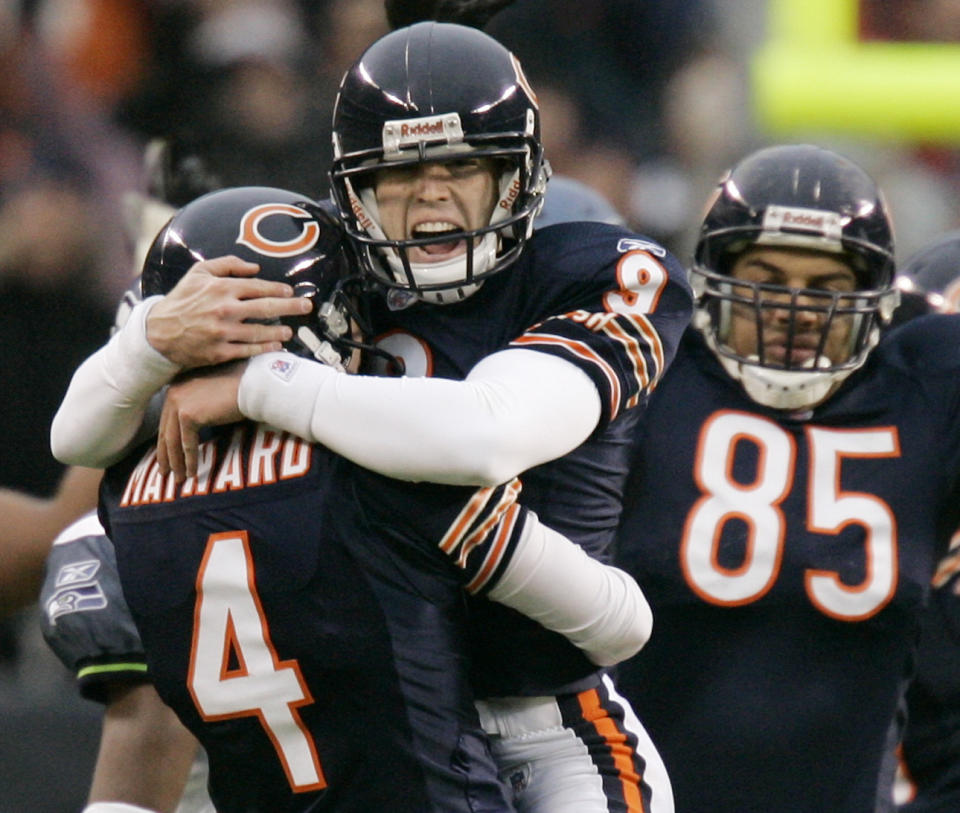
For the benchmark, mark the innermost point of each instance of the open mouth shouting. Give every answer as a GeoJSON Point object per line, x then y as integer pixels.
{"type": "Point", "coordinates": [441, 249]}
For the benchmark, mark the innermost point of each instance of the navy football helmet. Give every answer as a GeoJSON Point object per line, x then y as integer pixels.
{"type": "Point", "coordinates": [933, 273]}
{"type": "Point", "coordinates": [293, 240]}
{"type": "Point", "coordinates": [805, 197]}
{"type": "Point", "coordinates": [437, 92]}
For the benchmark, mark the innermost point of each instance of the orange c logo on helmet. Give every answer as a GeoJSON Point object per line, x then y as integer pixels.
{"type": "Point", "coordinates": [251, 237]}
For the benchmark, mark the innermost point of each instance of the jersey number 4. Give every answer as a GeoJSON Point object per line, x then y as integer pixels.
{"type": "Point", "coordinates": [234, 669]}
{"type": "Point", "coordinates": [757, 505]}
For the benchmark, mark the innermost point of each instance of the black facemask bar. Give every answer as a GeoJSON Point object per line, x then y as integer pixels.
{"type": "Point", "coordinates": [331, 318]}
{"type": "Point", "coordinates": [719, 294]}
{"type": "Point", "coordinates": [511, 229]}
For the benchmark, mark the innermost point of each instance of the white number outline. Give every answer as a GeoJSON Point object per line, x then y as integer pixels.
{"type": "Point", "coordinates": [229, 619]}
{"type": "Point", "coordinates": [642, 280]}
{"type": "Point", "coordinates": [757, 574]}
{"type": "Point", "coordinates": [830, 509]}
{"type": "Point", "coordinates": [831, 512]}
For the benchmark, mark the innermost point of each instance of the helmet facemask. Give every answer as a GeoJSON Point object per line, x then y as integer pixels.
{"type": "Point", "coordinates": [808, 218]}
{"type": "Point", "coordinates": [808, 364]}
{"type": "Point", "coordinates": [335, 327]}
{"type": "Point", "coordinates": [488, 249]}
{"type": "Point", "coordinates": [820, 335]}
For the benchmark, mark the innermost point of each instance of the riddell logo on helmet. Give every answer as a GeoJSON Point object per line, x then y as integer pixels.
{"type": "Point", "coordinates": [816, 221]}
{"type": "Point", "coordinates": [403, 133]}
{"type": "Point", "coordinates": [507, 200]}
{"type": "Point", "coordinates": [359, 213]}
{"type": "Point", "coordinates": [423, 128]}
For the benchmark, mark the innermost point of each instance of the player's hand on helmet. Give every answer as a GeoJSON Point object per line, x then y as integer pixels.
{"type": "Point", "coordinates": [202, 398]}
{"type": "Point", "coordinates": [205, 319]}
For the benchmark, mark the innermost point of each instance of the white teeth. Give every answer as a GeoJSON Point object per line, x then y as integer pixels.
{"type": "Point", "coordinates": [437, 226]}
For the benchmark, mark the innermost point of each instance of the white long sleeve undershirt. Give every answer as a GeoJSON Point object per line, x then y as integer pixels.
{"type": "Point", "coordinates": [516, 409]}
{"type": "Point", "coordinates": [109, 394]}
{"type": "Point", "coordinates": [598, 607]}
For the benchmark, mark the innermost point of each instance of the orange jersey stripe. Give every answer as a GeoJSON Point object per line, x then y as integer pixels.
{"type": "Point", "coordinates": [584, 352]}
{"type": "Point", "coordinates": [616, 741]}
{"type": "Point", "coordinates": [608, 324]}
{"type": "Point", "coordinates": [496, 551]}
{"type": "Point", "coordinates": [946, 569]}
{"type": "Point", "coordinates": [950, 563]}
{"type": "Point", "coordinates": [461, 525]}
{"type": "Point", "coordinates": [633, 342]}
{"type": "Point", "coordinates": [634, 352]}
{"type": "Point", "coordinates": [653, 342]}
{"type": "Point", "coordinates": [508, 499]}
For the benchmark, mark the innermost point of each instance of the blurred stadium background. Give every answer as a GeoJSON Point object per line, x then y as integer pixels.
{"type": "Point", "coordinates": [645, 101]}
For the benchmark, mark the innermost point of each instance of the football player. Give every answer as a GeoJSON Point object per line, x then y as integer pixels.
{"type": "Point", "coordinates": [795, 483]}
{"type": "Point", "coordinates": [929, 766]}
{"type": "Point", "coordinates": [557, 336]}
{"type": "Point", "coordinates": [89, 627]}
{"type": "Point", "coordinates": [355, 596]}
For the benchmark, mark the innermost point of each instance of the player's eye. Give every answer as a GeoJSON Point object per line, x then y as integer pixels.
{"type": "Point", "coordinates": [465, 167]}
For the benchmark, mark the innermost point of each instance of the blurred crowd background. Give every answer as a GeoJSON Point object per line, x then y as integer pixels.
{"type": "Point", "coordinates": [645, 101]}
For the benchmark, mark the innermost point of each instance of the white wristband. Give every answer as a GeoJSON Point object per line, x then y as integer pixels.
{"type": "Point", "coordinates": [115, 807]}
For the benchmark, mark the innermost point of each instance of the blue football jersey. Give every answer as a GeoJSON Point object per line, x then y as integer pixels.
{"type": "Point", "coordinates": [930, 749]}
{"type": "Point", "coordinates": [607, 300]}
{"type": "Point", "coordinates": [313, 646]}
{"type": "Point", "coordinates": [787, 557]}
